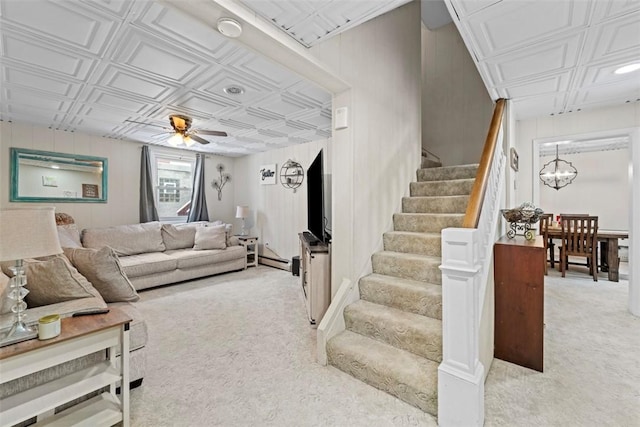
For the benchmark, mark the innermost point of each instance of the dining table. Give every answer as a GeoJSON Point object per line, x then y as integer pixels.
{"type": "Point", "coordinates": [608, 241]}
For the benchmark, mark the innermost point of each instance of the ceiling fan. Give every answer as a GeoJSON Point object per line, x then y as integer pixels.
{"type": "Point", "coordinates": [182, 132]}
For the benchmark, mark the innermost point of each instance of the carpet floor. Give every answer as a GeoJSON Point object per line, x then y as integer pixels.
{"type": "Point", "coordinates": [237, 350]}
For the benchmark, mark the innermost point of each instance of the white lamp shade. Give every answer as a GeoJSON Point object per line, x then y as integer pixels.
{"type": "Point", "coordinates": [175, 140]}
{"type": "Point", "coordinates": [28, 233]}
{"type": "Point", "coordinates": [242, 212]}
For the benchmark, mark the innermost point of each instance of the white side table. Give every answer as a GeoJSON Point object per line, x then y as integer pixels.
{"type": "Point", "coordinates": [251, 243]}
{"type": "Point", "coordinates": [80, 336]}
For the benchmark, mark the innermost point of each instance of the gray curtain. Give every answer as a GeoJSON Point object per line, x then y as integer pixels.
{"type": "Point", "coordinates": [148, 211]}
{"type": "Point", "coordinates": [198, 211]}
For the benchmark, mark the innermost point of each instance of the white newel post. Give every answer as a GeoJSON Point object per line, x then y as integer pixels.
{"type": "Point", "coordinates": [460, 375]}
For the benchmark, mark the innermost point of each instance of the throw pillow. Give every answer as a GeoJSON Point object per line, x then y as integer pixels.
{"type": "Point", "coordinates": [102, 268]}
{"type": "Point", "coordinates": [69, 236]}
{"type": "Point", "coordinates": [179, 236]}
{"type": "Point", "coordinates": [53, 280]}
{"type": "Point", "coordinates": [210, 238]}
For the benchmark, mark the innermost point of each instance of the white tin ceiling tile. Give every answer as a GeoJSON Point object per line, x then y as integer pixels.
{"type": "Point", "coordinates": [603, 73]}
{"type": "Point", "coordinates": [282, 13]}
{"type": "Point", "coordinates": [616, 37]}
{"type": "Point", "coordinates": [149, 54]}
{"type": "Point", "coordinates": [281, 105]}
{"type": "Point", "coordinates": [46, 58]}
{"type": "Point", "coordinates": [98, 96]}
{"type": "Point", "coordinates": [127, 81]}
{"type": "Point", "coordinates": [100, 113]}
{"type": "Point", "coordinates": [28, 114]}
{"type": "Point", "coordinates": [318, 119]}
{"type": "Point", "coordinates": [249, 118]}
{"type": "Point", "coordinates": [465, 8]}
{"type": "Point", "coordinates": [607, 9]}
{"type": "Point", "coordinates": [45, 83]}
{"type": "Point", "coordinates": [252, 92]}
{"type": "Point", "coordinates": [201, 106]}
{"type": "Point", "coordinates": [311, 31]}
{"type": "Point", "coordinates": [235, 124]}
{"type": "Point", "coordinates": [548, 85]}
{"type": "Point", "coordinates": [184, 31]}
{"type": "Point", "coordinates": [512, 25]}
{"type": "Point", "coordinates": [535, 62]}
{"type": "Point", "coordinates": [538, 106]}
{"type": "Point", "coordinates": [604, 93]}
{"type": "Point", "coordinates": [310, 92]}
{"type": "Point", "coordinates": [60, 22]}
{"type": "Point", "coordinates": [264, 71]}
{"type": "Point", "coordinates": [26, 97]}
{"type": "Point", "coordinates": [325, 133]}
{"type": "Point", "coordinates": [117, 8]}
{"type": "Point", "coordinates": [271, 133]}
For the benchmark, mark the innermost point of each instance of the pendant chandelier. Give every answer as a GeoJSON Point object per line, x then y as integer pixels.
{"type": "Point", "coordinates": [558, 173]}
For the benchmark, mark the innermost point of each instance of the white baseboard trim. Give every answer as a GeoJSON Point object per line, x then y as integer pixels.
{"type": "Point", "coordinates": [332, 322]}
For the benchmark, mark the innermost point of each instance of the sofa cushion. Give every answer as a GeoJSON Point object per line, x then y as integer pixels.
{"type": "Point", "coordinates": [53, 280]}
{"type": "Point", "coordinates": [126, 239]}
{"type": "Point", "coordinates": [138, 334]}
{"type": "Point", "coordinates": [69, 236]}
{"type": "Point", "coordinates": [179, 236]}
{"type": "Point", "coordinates": [189, 258]}
{"type": "Point", "coordinates": [213, 237]}
{"type": "Point", "coordinates": [143, 264]}
{"type": "Point", "coordinates": [103, 269]}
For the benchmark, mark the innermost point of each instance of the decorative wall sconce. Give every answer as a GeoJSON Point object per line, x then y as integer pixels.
{"type": "Point", "coordinates": [291, 175]}
{"type": "Point", "coordinates": [218, 184]}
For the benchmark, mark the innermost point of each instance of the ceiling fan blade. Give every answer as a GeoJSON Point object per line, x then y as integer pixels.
{"type": "Point", "coordinates": [211, 132]}
{"type": "Point", "coordinates": [198, 139]}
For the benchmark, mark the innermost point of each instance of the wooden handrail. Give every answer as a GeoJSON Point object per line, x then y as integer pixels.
{"type": "Point", "coordinates": [472, 215]}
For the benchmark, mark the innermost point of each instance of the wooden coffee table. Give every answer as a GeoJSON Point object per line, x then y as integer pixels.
{"type": "Point", "coordinates": [79, 337]}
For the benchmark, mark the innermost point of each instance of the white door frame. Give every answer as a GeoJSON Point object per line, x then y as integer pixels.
{"type": "Point", "coordinates": [634, 197]}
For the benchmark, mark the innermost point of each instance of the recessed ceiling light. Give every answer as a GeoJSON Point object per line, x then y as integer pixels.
{"type": "Point", "coordinates": [233, 90]}
{"type": "Point", "coordinates": [229, 27]}
{"type": "Point", "coordinates": [628, 68]}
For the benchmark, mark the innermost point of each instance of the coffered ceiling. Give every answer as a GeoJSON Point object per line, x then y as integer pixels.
{"type": "Point", "coordinates": [92, 66]}
{"type": "Point", "coordinates": [553, 57]}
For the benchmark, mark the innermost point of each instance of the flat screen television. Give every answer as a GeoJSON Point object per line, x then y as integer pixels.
{"type": "Point", "coordinates": [317, 198]}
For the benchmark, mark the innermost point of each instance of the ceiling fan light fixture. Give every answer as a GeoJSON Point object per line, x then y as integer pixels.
{"type": "Point", "coordinates": [175, 140]}
{"type": "Point", "coordinates": [188, 141]}
{"type": "Point", "coordinates": [229, 27]}
{"type": "Point", "coordinates": [629, 68]}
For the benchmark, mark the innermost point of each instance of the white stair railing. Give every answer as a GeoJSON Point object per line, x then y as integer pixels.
{"type": "Point", "coordinates": [466, 271]}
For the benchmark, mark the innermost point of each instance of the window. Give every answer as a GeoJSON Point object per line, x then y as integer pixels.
{"type": "Point", "coordinates": [168, 190]}
{"type": "Point", "coordinates": [174, 177]}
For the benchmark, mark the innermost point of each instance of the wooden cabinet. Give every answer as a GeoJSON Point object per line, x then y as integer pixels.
{"type": "Point", "coordinates": [80, 336]}
{"type": "Point", "coordinates": [315, 276]}
{"type": "Point", "coordinates": [519, 301]}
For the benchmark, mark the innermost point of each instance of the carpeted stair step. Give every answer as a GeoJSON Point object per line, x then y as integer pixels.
{"type": "Point", "coordinates": [417, 334]}
{"type": "Point", "coordinates": [429, 163]}
{"type": "Point", "coordinates": [400, 373]}
{"type": "Point", "coordinates": [404, 294]}
{"type": "Point", "coordinates": [413, 243]}
{"type": "Point", "coordinates": [452, 187]}
{"type": "Point", "coordinates": [443, 204]}
{"type": "Point", "coordinates": [408, 266]}
{"type": "Point", "coordinates": [448, 172]}
{"type": "Point", "coordinates": [426, 222]}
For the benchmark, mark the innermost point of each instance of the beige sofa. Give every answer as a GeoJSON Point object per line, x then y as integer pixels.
{"type": "Point", "coordinates": [151, 254]}
{"type": "Point", "coordinates": [154, 254]}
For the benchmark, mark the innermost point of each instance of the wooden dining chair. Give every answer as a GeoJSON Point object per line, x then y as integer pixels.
{"type": "Point", "coordinates": [545, 223]}
{"type": "Point", "coordinates": [580, 239]}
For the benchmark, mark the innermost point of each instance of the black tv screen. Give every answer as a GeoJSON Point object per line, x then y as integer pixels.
{"type": "Point", "coordinates": [315, 199]}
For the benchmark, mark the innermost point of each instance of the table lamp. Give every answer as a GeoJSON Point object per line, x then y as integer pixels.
{"type": "Point", "coordinates": [242, 212]}
{"type": "Point", "coordinates": [25, 233]}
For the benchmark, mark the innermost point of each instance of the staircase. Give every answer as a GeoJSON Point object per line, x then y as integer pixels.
{"type": "Point", "coordinates": [393, 336]}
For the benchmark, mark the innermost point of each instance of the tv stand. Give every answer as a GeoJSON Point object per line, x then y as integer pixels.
{"type": "Point", "coordinates": [315, 275]}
